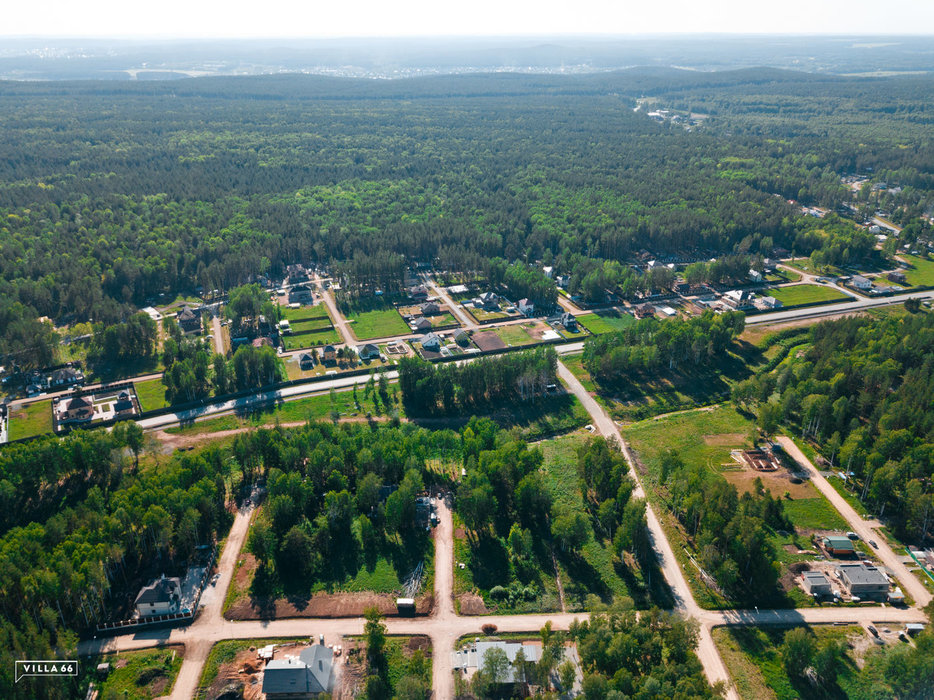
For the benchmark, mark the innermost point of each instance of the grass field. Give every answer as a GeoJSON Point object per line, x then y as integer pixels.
{"type": "Point", "coordinates": [606, 321]}
{"type": "Point", "coordinates": [380, 323]}
{"type": "Point", "coordinates": [151, 394]}
{"type": "Point", "coordinates": [753, 658]}
{"type": "Point", "coordinates": [515, 335]}
{"type": "Point", "coordinates": [32, 419]}
{"type": "Point", "coordinates": [310, 324]}
{"type": "Point", "coordinates": [806, 294]}
{"type": "Point", "coordinates": [814, 514]}
{"type": "Point", "coordinates": [308, 340]}
{"type": "Point", "coordinates": [140, 675]}
{"type": "Point", "coordinates": [922, 272]}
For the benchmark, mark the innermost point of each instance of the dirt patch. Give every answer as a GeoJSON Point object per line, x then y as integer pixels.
{"type": "Point", "coordinates": [471, 604]}
{"type": "Point", "coordinates": [323, 605]}
{"type": "Point", "coordinates": [488, 340]}
{"type": "Point", "coordinates": [732, 439]}
{"type": "Point", "coordinates": [777, 482]}
{"type": "Point", "coordinates": [243, 672]}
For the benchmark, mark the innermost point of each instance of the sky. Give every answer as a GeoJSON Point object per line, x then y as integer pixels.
{"type": "Point", "coordinates": [388, 18]}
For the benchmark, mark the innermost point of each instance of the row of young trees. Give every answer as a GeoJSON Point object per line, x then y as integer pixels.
{"type": "Point", "coordinates": [651, 344]}
{"type": "Point", "coordinates": [428, 388]}
{"type": "Point", "coordinates": [863, 389]}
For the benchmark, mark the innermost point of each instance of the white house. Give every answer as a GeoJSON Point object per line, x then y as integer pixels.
{"type": "Point", "coordinates": [161, 597]}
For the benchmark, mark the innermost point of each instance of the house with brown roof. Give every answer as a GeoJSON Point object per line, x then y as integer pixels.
{"type": "Point", "coordinates": [189, 321]}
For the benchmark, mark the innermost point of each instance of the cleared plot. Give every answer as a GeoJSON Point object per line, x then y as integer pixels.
{"type": "Point", "coordinates": [921, 273]}
{"type": "Point", "coordinates": [310, 324]}
{"type": "Point", "coordinates": [515, 335]}
{"type": "Point", "coordinates": [606, 321]}
{"type": "Point", "coordinates": [382, 323]}
{"type": "Point", "coordinates": [308, 340]}
{"type": "Point", "coordinates": [139, 675]}
{"type": "Point", "coordinates": [806, 294]}
{"type": "Point", "coordinates": [31, 419]}
{"type": "Point", "coordinates": [151, 394]}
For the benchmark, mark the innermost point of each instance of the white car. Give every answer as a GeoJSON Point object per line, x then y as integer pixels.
{"type": "Point", "coordinates": [590, 429]}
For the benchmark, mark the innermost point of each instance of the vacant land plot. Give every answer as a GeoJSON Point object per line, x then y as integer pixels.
{"type": "Point", "coordinates": [595, 569]}
{"type": "Point", "coordinates": [488, 340]}
{"type": "Point", "coordinates": [378, 323]}
{"type": "Point", "coordinates": [800, 294]}
{"type": "Point", "coordinates": [32, 419]}
{"type": "Point", "coordinates": [151, 395]}
{"type": "Point", "coordinates": [516, 335]}
{"type": "Point", "coordinates": [921, 273]}
{"type": "Point", "coordinates": [139, 675]}
{"type": "Point", "coordinates": [606, 321]}
{"type": "Point", "coordinates": [753, 658]}
{"type": "Point", "coordinates": [311, 326]}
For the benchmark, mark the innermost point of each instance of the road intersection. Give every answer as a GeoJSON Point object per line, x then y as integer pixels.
{"type": "Point", "coordinates": [444, 626]}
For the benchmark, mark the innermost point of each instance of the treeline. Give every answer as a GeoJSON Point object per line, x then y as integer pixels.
{"type": "Point", "coordinates": [192, 372]}
{"type": "Point", "coordinates": [729, 532]}
{"type": "Point", "coordinates": [136, 339]}
{"type": "Point", "coordinates": [863, 390]}
{"type": "Point", "coordinates": [651, 344]}
{"type": "Point", "coordinates": [460, 388]}
{"type": "Point", "coordinates": [523, 282]}
{"type": "Point", "coordinates": [64, 567]}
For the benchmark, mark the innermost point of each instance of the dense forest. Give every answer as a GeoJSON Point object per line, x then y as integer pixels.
{"type": "Point", "coordinates": [862, 389]}
{"type": "Point", "coordinates": [111, 195]}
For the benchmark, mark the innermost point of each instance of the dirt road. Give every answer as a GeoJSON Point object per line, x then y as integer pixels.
{"type": "Point", "coordinates": [465, 319]}
{"type": "Point", "coordinates": [911, 585]}
{"type": "Point", "coordinates": [338, 318]}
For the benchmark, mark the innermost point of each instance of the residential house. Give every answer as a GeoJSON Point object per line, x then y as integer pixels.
{"type": "Point", "coordinates": [739, 298]}
{"type": "Point", "coordinates": [430, 309]}
{"type": "Point", "coordinates": [189, 321]}
{"type": "Point", "coordinates": [66, 376]}
{"type": "Point", "coordinates": [898, 277]}
{"type": "Point", "coordinates": [306, 361]}
{"type": "Point", "coordinates": [860, 282]}
{"type": "Point", "coordinates": [421, 324]}
{"type": "Point", "coordinates": [756, 276]}
{"type": "Point", "coordinates": [123, 406]}
{"type": "Point", "coordinates": [474, 658]}
{"type": "Point", "coordinates": [643, 311]}
{"type": "Point", "coordinates": [296, 273]}
{"type": "Point", "coordinates": [419, 292]}
{"type": "Point", "coordinates": [568, 321]}
{"type": "Point", "coordinates": [300, 294]}
{"type": "Point", "coordinates": [161, 597]}
{"type": "Point", "coordinates": [309, 675]}
{"type": "Point", "coordinates": [839, 546]}
{"type": "Point", "coordinates": [769, 264]}
{"type": "Point", "coordinates": [816, 583]}
{"type": "Point", "coordinates": [562, 281]}
{"type": "Point", "coordinates": [329, 354]}
{"type": "Point", "coordinates": [770, 302]}
{"type": "Point", "coordinates": [285, 328]}
{"type": "Point", "coordinates": [682, 288]}
{"type": "Point", "coordinates": [462, 338]}
{"type": "Point", "coordinates": [549, 271]}
{"type": "Point", "coordinates": [77, 410]}
{"type": "Point", "coordinates": [863, 580]}
{"type": "Point", "coordinates": [432, 342]}
{"type": "Point", "coordinates": [368, 351]}
{"type": "Point", "coordinates": [489, 300]}
{"type": "Point", "coordinates": [526, 307]}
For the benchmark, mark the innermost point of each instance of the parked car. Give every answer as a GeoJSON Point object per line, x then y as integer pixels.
{"type": "Point", "coordinates": [873, 630]}
{"type": "Point", "coordinates": [873, 543]}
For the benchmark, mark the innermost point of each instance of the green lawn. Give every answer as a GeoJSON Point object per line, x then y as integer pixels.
{"type": "Point", "coordinates": [310, 324]}
{"type": "Point", "coordinates": [922, 272]}
{"type": "Point", "coordinates": [806, 294]}
{"type": "Point", "coordinates": [32, 419]}
{"type": "Point", "coordinates": [151, 394]}
{"type": "Point", "coordinates": [814, 514]}
{"type": "Point", "coordinates": [381, 323]}
{"type": "Point", "coordinates": [753, 658]}
{"type": "Point", "coordinates": [309, 340]}
{"type": "Point", "coordinates": [515, 335]}
{"type": "Point", "coordinates": [304, 313]}
{"type": "Point", "coordinates": [606, 321]}
{"type": "Point", "coordinates": [443, 321]}
{"type": "Point", "coordinates": [146, 674]}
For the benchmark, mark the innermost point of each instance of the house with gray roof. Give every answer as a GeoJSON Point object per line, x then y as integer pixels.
{"type": "Point", "coordinates": [161, 597]}
{"type": "Point", "coordinates": [309, 675]}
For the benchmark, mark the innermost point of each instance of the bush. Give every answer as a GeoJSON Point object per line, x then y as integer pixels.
{"type": "Point", "coordinates": [498, 593]}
